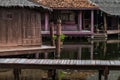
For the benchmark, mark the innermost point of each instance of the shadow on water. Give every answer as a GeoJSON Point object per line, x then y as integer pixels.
{"type": "Point", "coordinates": [97, 50]}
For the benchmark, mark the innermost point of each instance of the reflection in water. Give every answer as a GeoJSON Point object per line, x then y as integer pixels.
{"type": "Point", "coordinates": [96, 50]}
{"type": "Point", "coordinates": [107, 50]}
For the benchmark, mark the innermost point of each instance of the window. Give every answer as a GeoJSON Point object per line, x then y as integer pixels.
{"type": "Point", "coordinates": [7, 15]}
{"type": "Point", "coordinates": [68, 17]}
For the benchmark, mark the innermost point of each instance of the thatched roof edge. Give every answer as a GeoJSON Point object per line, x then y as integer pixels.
{"type": "Point", "coordinates": [21, 3]}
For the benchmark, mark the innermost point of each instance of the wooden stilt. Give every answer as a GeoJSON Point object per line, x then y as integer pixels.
{"type": "Point", "coordinates": [58, 41]}
{"type": "Point", "coordinates": [37, 56]}
{"type": "Point", "coordinates": [106, 72]}
{"type": "Point", "coordinates": [105, 23]}
{"type": "Point", "coordinates": [91, 52]}
{"type": "Point", "coordinates": [118, 26]}
{"type": "Point", "coordinates": [46, 55]}
{"type": "Point", "coordinates": [100, 74]}
{"type": "Point", "coordinates": [79, 53]}
{"type": "Point", "coordinates": [52, 34]}
{"type": "Point", "coordinates": [16, 73]}
{"type": "Point", "coordinates": [52, 74]}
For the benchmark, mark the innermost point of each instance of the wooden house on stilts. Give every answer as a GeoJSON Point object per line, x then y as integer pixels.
{"type": "Point", "coordinates": [20, 26]}
{"type": "Point", "coordinates": [83, 17]}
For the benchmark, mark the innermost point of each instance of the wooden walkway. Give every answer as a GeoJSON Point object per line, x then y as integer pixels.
{"type": "Point", "coordinates": [6, 51]}
{"type": "Point", "coordinates": [59, 64]}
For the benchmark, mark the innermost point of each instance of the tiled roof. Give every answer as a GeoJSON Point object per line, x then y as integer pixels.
{"type": "Point", "coordinates": [67, 3]}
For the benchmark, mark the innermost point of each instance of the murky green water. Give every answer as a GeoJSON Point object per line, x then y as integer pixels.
{"type": "Point", "coordinates": [97, 50]}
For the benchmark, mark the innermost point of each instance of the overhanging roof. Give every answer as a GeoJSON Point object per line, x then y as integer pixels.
{"type": "Point", "coordinates": [20, 3]}
{"type": "Point", "coordinates": [111, 7]}
{"type": "Point", "coordinates": [67, 4]}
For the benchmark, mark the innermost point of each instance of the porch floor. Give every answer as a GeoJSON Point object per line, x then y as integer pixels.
{"type": "Point", "coordinates": [113, 31]}
{"type": "Point", "coordinates": [83, 32]}
{"type": "Point", "coordinates": [5, 51]}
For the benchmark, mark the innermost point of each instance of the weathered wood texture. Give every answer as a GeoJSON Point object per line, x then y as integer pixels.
{"type": "Point", "coordinates": [7, 51]}
{"type": "Point", "coordinates": [60, 64]}
{"type": "Point", "coordinates": [20, 26]}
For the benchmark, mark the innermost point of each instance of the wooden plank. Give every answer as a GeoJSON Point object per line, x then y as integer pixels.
{"type": "Point", "coordinates": [112, 62]}
{"type": "Point", "coordinates": [12, 60]}
{"type": "Point", "coordinates": [38, 60]}
{"type": "Point", "coordinates": [71, 62]}
{"type": "Point", "coordinates": [87, 62]}
{"type": "Point", "coordinates": [92, 62]}
{"type": "Point", "coordinates": [83, 62]}
{"type": "Point", "coordinates": [2, 60]}
{"type": "Point", "coordinates": [6, 60]}
{"type": "Point", "coordinates": [33, 61]}
{"type": "Point", "coordinates": [22, 61]}
{"type": "Point", "coordinates": [67, 62]}
{"type": "Point", "coordinates": [117, 62]}
{"type": "Point", "coordinates": [79, 62]}
{"type": "Point", "coordinates": [45, 62]}
{"type": "Point", "coordinates": [61, 63]}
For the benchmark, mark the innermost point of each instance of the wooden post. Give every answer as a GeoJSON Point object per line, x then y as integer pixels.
{"type": "Point", "coordinates": [91, 52]}
{"type": "Point", "coordinates": [46, 21]}
{"type": "Point", "coordinates": [105, 23]}
{"type": "Point", "coordinates": [52, 34]}
{"type": "Point", "coordinates": [100, 74]}
{"type": "Point", "coordinates": [58, 41]}
{"type": "Point", "coordinates": [16, 73]}
{"type": "Point", "coordinates": [80, 20]}
{"type": "Point", "coordinates": [92, 21]}
{"type": "Point", "coordinates": [45, 55]}
{"type": "Point", "coordinates": [37, 56]}
{"type": "Point", "coordinates": [106, 72]}
{"type": "Point", "coordinates": [105, 48]}
{"type": "Point", "coordinates": [118, 27]}
{"type": "Point", "coordinates": [80, 52]}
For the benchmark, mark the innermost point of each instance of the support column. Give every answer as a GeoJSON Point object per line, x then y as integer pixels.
{"type": "Point", "coordinates": [46, 21]}
{"type": "Point", "coordinates": [92, 21]}
{"type": "Point", "coordinates": [80, 52]}
{"type": "Point", "coordinates": [105, 23]}
{"type": "Point", "coordinates": [52, 34]}
{"type": "Point", "coordinates": [100, 74]}
{"type": "Point", "coordinates": [106, 73]}
{"type": "Point", "coordinates": [91, 52]}
{"type": "Point", "coordinates": [58, 41]}
{"type": "Point", "coordinates": [46, 55]}
{"type": "Point", "coordinates": [37, 56]}
{"type": "Point", "coordinates": [80, 20]}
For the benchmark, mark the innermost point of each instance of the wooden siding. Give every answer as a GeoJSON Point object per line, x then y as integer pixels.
{"type": "Point", "coordinates": [19, 27]}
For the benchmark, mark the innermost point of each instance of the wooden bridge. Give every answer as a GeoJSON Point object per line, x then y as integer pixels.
{"type": "Point", "coordinates": [103, 66]}
{"type": "Point", "coordinates": [59, 64]}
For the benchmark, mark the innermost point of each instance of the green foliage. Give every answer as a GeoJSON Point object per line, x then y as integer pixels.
{"type": "Point", "coordinates": [62, 37]}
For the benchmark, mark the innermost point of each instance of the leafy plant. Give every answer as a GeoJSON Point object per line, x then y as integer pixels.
{"type": "Point", "coordinates": [62, 37]}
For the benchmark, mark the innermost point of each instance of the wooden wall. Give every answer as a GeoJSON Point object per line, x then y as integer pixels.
{"type": "Point", "coordinates": [20, 27]}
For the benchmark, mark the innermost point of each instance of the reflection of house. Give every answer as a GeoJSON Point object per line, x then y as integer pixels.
{"type": "Point", "coordinates": [79, 51]}
{"type": "Point", "coordinates": [20, 24]}
{"type": "Point", "coordinates": [79, 17]}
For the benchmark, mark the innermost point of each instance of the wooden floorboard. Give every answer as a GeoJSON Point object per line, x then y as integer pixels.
{"type": "Point", "coordinates": [57, 63]}
{"type": "Point", "coordinates": [7, 51]}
